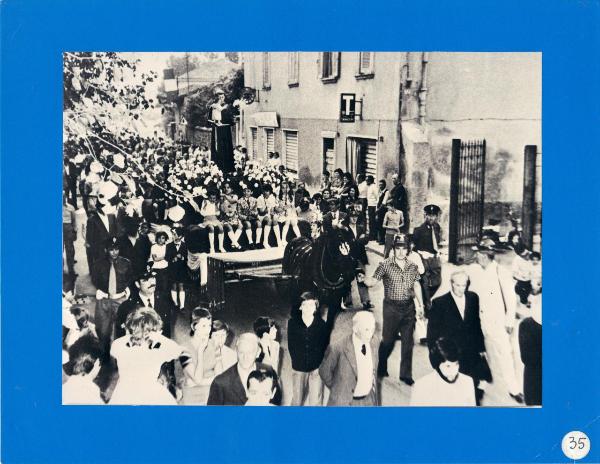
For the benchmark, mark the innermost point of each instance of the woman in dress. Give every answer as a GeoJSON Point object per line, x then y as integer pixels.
{"type": "Point", "coordinates": [158, 256]}
{"type": "Point", "coordinates": [230, 217]}
{"type": "Point", "coordinates": [140, 355]}
{"type": "Point", "coordinates": [337, 182]}
{"type": "Point", "coordinates": [177, 256]}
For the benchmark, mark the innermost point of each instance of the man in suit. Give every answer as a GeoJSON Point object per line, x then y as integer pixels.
{"type": "Point", "coordinates": [148, 297]}
{"type": "Point", "coordinates": [230, 387]}
{"type": "Point", "coordinates": [381, 209]}
{"type": "Point", "coordinates": [335, 217]}
{"type": "Point", "coordinates": [350, 363]}
{"type": "Point", "coordinates": [426, 239]}
{"type": "Point", "coordinates": [455, 316]}
{"type": "Point", "coordinates": [135, 244]}
{"type": "Point", "coordinates": [359, 252]}
{"type": "Point", "coordinates": [101, 225]}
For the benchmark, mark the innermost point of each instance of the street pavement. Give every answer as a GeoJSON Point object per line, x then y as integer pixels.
{"type": "Point", "coordinates": [248, 300]}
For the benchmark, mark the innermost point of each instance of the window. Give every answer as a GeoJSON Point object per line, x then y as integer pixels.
{"type": "Point", "coordinates": [270, 142]}
{"type": "Point", "coordinates": [290, 139]}
{"type": "Point", "coordinates": [293, 69]}
{"type": "Point", "coordinates": [254, 134]}
{"type": "Point", "coordinates": [365, 65]}
{"type": "Point", "coordinates": [329, 66]}
{"type": "Point", "coordinates": [266, 63]}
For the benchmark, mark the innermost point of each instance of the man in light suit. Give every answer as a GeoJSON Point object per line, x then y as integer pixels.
{"type": "Point", "coordinates": [349, 366]}
{"type": "Point", "coordinates": [497, 302]}
{"type": "Point", "coordinates": [229, 387]}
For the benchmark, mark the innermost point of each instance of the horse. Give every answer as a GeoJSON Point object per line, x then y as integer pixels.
{"type": "Point", "coordinates": [323, 266]}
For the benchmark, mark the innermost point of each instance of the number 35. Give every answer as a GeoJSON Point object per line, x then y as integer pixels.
{"type": "Point", "coordinates": [580, 443]}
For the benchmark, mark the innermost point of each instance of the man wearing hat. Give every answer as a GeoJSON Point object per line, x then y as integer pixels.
{"type": "Point", "coordinates": [111, 276]}
{"type": "Point", "coordinates": [494, 286]}
{"type": "Point", "coordinates": [102, 224]}
{"type": "Point", "coordinates": [401, 302]}
{"type": "Point", "coordinates": [426, 239]}
{"type": "Point", "coordinates": [148, 297]}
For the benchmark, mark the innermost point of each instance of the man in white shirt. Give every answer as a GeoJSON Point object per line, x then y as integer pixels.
{"type": "Point", "coordinates": [348, 368]}
{"type": "Point", "coordinates": [497, 312]}
{"type": "Point", "coordinates": [372, 200]}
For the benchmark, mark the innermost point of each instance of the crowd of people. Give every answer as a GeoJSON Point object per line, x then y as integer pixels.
{"type": "Point", "coordinates": [149, 211]}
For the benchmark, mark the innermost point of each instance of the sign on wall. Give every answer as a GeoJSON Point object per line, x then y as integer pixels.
{"type": "Point", "coordinates": [348, 107]}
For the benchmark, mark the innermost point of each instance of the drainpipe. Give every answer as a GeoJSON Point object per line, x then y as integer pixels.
{"type": "Point", "coordinates": [423, 88]}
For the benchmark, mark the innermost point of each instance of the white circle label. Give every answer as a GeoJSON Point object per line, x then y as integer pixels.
{"type": "Point", "coordinates": [576, 445]}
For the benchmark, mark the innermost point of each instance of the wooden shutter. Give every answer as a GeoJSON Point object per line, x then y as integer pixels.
{"type": "Point", "coordinates": [254, 132]}
{"type": "Point", "coordinates": [335, 64]}
{"type": "Point", "coordinates": [270, 145]}
{"type": "Point", "coordinates": [291, 151]}
{"type": "Point", "coordinates": [370, 161]}
{"type": "Point", "coordinates": [366, 62]}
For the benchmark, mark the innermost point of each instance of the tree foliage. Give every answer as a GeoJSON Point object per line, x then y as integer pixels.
{"type": "Point", "coordinates": [234, 57]}
{"type": "Point", "coordinates": [195, 109]}
{"type": "Point", "coordinates": [182, 64]}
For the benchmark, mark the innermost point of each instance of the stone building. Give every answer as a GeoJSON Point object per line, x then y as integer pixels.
{"type": "Point", "coordinates": [408, 106]}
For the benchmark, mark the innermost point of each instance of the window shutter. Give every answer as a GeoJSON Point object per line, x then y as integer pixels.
{"type": "Point", "coordinates": [270, 145]}
{"type": "Point", "coordinates": [320, 61]}
{"type": "Point", "coordinates": [366, 62]}
{"type": "Point", "coordinates": [291, 151]}
{"type": "Point", "coordinates": [371, 158]}
{"type": "Point", "coordinates": [266, 71]}
{"type": "Point", "coordinates": [254, 132]}
{"type": "Point", "coordinates": [335, 64]}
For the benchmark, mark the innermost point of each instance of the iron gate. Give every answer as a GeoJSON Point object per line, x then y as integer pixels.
{"type": "Point", "coordinates": [531, 214]}
{"type": "Point", "coordinates": [467, 183]}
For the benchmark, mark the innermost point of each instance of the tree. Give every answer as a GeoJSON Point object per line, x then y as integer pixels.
{"type": "Point", "coordinates": [183, 64]}
{"type": "Point", "coordinates": [234, 57]}
{"type": "Point", "coordinates": [196, 105]}
{"type": "Point", "coordinates": [104, 96]}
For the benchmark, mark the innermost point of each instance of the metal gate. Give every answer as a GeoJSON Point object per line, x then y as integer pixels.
{"type": "Point", "coordinates": [532, 198]}
{"type": "Point", "coordinates": [467, 184]}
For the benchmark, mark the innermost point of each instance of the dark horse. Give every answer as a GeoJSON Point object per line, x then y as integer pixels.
{"type": "Point", "coordinates": [323, 266]}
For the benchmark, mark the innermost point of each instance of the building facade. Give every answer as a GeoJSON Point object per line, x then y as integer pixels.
{"type": "Point", "coordinates": [409, 106]}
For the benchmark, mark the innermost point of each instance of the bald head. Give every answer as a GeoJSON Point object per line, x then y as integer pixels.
{"type": "Point", "coordinates": [363, 325]}
{"type": "Point", "coordinates": [459, 281]}
{"type": "Point", "coordinates": [247, 349]}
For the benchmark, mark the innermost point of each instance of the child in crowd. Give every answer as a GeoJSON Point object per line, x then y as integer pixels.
{"type": "Point", "coordinates": [248, 214]}
{"type": "Point", "coordinates": [267, 333]}
{"type": "Point", "coordinates": [210, 211]}
{"type": "Point", "coordinates": [521, 271]}
{"type": "Point", "coordinates": [158, 256]}
{"type": "Point", "coordinates": [267, 204]}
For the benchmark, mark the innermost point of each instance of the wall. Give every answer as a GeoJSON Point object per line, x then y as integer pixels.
{"type": "Point", "coordinates": [313, 106]}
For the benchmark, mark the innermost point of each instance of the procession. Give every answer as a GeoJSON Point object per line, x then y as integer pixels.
{"type": "Point", "coordinates": [213, 261]}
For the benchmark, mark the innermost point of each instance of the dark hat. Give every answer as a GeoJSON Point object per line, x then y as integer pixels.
{"type": "Point", "coordinates": [148, 273]}
{"type": "Point", "coordinates": [400, 240]}
{"type": "Point", "coordinates": [432, 209]}
{"type": "Point", "coordinates": [219, 92]}
{"type": "Point", "coordinates": [112, 243]}
{"type": "Point", "coordinates": [486, 245]}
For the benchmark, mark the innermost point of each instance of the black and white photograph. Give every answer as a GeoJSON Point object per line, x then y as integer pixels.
{"type": "Point", "coordinates": [302, 229]}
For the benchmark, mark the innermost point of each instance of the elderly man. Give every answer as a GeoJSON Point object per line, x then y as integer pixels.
{"type": "Point", "coordinates": [402, 291]}
{"type": "Point", "coordinates": [230, 387]}
{"type": "Point", "coordinates": [494, 287]}
{"type": "Point", "coordinates": [348, 368]}
{"type": "Point", "coordinates": [455, 316]}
